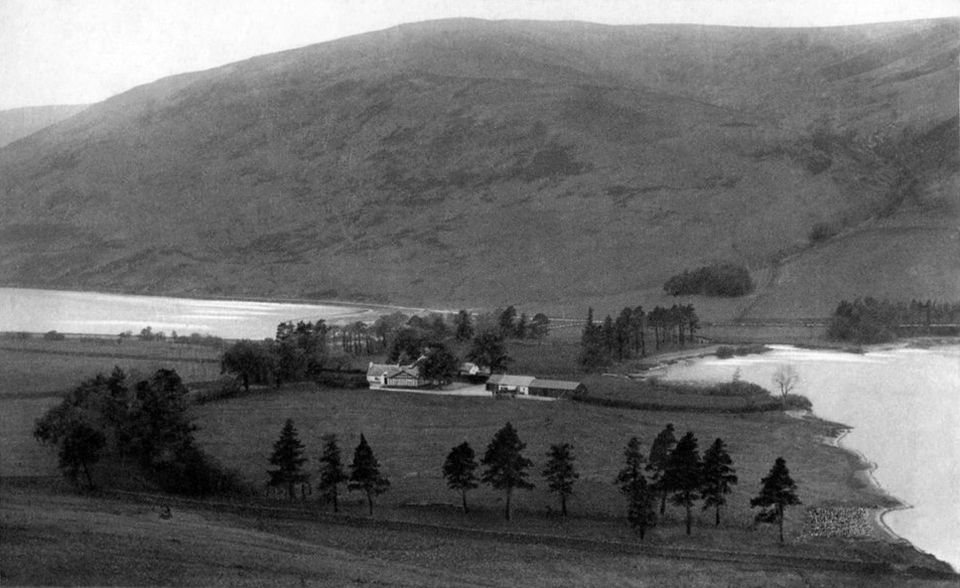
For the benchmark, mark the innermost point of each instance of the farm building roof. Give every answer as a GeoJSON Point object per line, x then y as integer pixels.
{"type": "Point", "coordinates": [387, 370]}
{"type": "Point", "coordinates": [508, 380]}
{"type": "Point", "coordinates": [555, 384]}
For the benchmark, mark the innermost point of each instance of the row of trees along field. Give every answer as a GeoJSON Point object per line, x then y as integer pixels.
{"type": "Point", "coordinates": [868, 320]}
{"type": "Point", "coordinates": [304, 350]}
{"type": "Point", "coordinates": [626, 336]}
{"type": "Point", "coordinates": [676, 473]}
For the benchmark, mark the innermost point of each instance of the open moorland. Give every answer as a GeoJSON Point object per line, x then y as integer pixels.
{"type": "Point", "coordinates": [418, 164]}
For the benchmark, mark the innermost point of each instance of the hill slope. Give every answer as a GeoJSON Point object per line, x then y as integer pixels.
{"type": "Point", "coordinates": [473, 162]}
{"type": "Point", "coordinates": [17, 123]}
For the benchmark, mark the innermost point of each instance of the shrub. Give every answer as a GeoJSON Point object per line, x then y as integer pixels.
{"type": "Point", "coordinates": [725, 352]}
{"type": "Point", "coordinates": [54, 336]}
{"type": "Point", "coordinates": [822, 231]}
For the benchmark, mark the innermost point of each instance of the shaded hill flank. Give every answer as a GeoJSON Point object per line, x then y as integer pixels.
{"type": "Point", "coordinates": [474, 162]}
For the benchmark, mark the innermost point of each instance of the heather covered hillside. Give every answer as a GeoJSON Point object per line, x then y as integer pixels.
{"type": "Point", "coordinates": [483, 163]}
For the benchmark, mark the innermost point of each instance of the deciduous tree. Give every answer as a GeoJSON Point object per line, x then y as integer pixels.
{"type": "Point", "coordinates": [506, 467]}
{"type": "Point", "coordinates": [539, 326]}
{"type": "Point", "coordinates": [439, 364]}
{"type": "Point", "coordinates": [252, 362]}
{"type": "Point", "coordinates": [459, 470]}
{"type": "Point", "coordinates": [488, 351]}
{"type": "Point", "coordinates": [560, 473]}
{"type": "Point", "coordinates": [79, 440]}
{"type": "Point", "coordinates": [785, 378]}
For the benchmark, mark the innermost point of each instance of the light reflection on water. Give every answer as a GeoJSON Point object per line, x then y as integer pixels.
{"type": "Point", "coordinates": [39, 311]}
{"type": "Point", "coordinates": [904, 407]}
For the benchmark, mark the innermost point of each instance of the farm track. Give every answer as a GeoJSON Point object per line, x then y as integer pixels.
{"type": "Point", "coordinates": [755, 560]}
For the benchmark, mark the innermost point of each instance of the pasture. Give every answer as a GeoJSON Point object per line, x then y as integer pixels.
{"type": "Point", "coordinates": [412, 433]}
{"type": "Point", "coordinates": [34, 373]}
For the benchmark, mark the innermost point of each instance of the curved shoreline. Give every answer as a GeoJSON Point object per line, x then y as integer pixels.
{"type": "Point", "coordinates": [871, 467]}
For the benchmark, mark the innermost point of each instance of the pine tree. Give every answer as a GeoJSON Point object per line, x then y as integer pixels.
{"type": "Point", "coordinates": [463, 326]}
{"type": "Point", "coordinates": [593, 355]}
{"type": "Point", "coordinates": [560, 473]}
{"type": "Point", "coordinates": [365, 473]}
{"type": "Point", "coordinates": [633, 485]}
{"type": "Point", "coordinates": [778, 491]}
{"type": "Point", "coordinates": [332, 473]}
{"type": "Point", "coordinates": [659, 455]}
{"type": "Point", "coordinates": [506, 466]}
{"type": "Point", "coordinates": [288, 457]}
{"type": "Point", "coordinates": [459, 469]}
{"type": "Point", "coordinates": [684, 475]}
{"type": "Point", "coordinates": [718, 476]}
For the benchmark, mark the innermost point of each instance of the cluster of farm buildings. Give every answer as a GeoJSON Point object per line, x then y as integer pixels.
{"type": "Point", "coordinates": [381, 376]}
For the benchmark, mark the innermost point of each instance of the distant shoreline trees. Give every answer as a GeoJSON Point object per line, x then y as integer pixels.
{"type": "Point", "coordinates": [624, 337]}
{"type": "Point", "coordinates": [868, 320]}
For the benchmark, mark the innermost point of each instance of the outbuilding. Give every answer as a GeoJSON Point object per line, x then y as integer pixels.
{"type": "Point", "coordinates": [556, 388]}
{"type": "Point", "coordinates": [501, 384]}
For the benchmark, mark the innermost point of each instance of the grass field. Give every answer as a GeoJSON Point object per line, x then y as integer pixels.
{"type": "Point", "coordinates": [88, 540]}
{"type": "Point", "coordinates": [412, 433]}
{"type": "Point", "coordinates": [37, 367]}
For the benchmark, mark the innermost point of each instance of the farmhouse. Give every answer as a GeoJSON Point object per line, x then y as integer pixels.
{"type": "Point", "coordinates": [500, 384]}
{"type": "Point", "coordinates": [394, 376]}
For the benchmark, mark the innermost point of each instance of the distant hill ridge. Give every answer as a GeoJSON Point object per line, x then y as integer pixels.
{"type": "Point", "coordinates": [470, 162]}
{"type": "Point", "coordinates": [17, 123]}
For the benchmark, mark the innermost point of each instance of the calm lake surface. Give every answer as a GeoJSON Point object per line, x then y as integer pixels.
{"type": "Point", "coordinates": [904, 407]}
{"type": "Point", "coordinates": [40, 311]}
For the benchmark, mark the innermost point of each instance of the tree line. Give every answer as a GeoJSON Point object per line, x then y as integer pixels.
{"type": "Point", "coordinates": [304, 350]}
{"type": "Point", "coordinates": [628, 335]}
{"type": "Point", "coordinates": [674, 471]}
{"type": "Point", "coordinates": [868, 320]}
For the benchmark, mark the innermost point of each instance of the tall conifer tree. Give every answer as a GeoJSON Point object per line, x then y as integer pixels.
{"type": "Point", "coordinates": [506, 466]}
{"type": "Point", "coordinates": [365, 473]}
{"type": "Point", "coordinates": [288, 457]}
{"type": "Point", "coordinates": [777, 491]}
{"type": "Point", "coordinates": [718, 476]}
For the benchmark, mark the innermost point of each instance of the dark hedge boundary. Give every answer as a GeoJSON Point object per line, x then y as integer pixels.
{"type": "Point", "coordinates": [794, 401]}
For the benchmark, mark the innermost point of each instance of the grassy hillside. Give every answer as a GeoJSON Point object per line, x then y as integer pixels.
{"type": "Point", "coordinates": [17, 123]}
{"type": "Point", "coordinates": [484, 163]}
{"type": "Point", "coordinates": [50, 538]}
